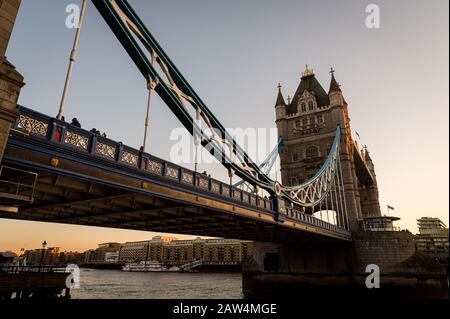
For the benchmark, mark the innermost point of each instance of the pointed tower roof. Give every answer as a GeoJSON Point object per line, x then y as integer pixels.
{"type": "Point", "coordinates": [366, 154]}
{"type": "Point", "coordinates": [280, 98]}
{"type": "Point", "coordinates": [334, 86]}
{"type": "Point", "coordinates": [309, 83]}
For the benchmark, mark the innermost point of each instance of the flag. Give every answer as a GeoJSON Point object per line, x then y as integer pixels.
{"type": "Point", "coordinates": [390, 207]}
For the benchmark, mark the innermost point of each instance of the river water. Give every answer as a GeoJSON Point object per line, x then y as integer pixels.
{"type": "Point", "coordinates": [112, 284]}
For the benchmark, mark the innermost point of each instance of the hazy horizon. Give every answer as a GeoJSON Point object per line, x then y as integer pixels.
{"type": "Point", "coordinates": [234, 53]}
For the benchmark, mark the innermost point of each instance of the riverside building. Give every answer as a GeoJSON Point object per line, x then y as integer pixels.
{"type": "Point", "coordinates": [174, 251]}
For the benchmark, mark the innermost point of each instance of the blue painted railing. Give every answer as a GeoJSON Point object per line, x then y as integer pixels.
{"type": "Point", "coordinates": [38, 125]}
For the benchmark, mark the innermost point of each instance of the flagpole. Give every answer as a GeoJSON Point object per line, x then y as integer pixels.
{"type": "Point", "coordinates": [73, 56]}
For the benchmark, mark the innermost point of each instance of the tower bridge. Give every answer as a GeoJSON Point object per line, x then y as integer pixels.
{"type": "Point", "coordinates": [84, 178]}
{"type": "Point", "coordinates": [53, 171]}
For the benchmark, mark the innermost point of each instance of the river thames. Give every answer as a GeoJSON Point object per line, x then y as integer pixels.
{"type": "Point", "coordinates": [116, 284]}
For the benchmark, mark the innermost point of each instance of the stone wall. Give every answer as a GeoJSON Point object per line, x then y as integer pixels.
{"type": "Point", "coordinates": [315, 259]}
{"type": "Point", "coordinates": [10, 80]}
{"type": "Point", "coordinates": [333, 270]}
{"type": "Point", "coordinates": [393, 252]}
{"type": "Point", "coordinates": [8, 12]}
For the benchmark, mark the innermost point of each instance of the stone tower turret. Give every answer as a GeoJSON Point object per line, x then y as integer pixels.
{"type": "Point", "coordinates": [369, 201]}
{"type": "Point", "coordinates": [11, 81]}
{"type": "Point", "coordinates": [280, 113]}
{"type": "Point", "coordinates": [307, 125]}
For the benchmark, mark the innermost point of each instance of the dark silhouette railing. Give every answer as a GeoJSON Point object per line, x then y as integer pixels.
{"type": "Point", "coordinates": [10, 269]}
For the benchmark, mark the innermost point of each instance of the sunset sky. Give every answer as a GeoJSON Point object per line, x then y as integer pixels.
{"type": "Point", "coordinates": [234, 53]}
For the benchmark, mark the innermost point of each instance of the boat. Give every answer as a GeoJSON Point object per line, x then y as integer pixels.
{"type": "Point", "coordinates": [147, 266]}
{"type": "Point", "coordinates": [193, 270]}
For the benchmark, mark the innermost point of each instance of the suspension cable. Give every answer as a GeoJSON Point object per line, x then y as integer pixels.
{"type": "Point", "coordinates": [332, 205]}
{"type": "Point", "coordinates": [343, 189]}
{"type": "Point", "coordinates": [73, 57]}
{"type": "Point", "coordinates": [342, 223]}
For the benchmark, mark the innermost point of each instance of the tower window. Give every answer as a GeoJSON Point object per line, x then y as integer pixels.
{"type": "Point", "coordinates": [295, 156]}
{"type": "Point", "coordinates": [320, 119]}
{"type": "Point", "coordinates": [303, 107]}
{"type": "Point", "coordinates": [312, 151]}
{"type": "Point", "coordinates": [298, 123]}
{"type": "Point", "coordinates": [310, 105]}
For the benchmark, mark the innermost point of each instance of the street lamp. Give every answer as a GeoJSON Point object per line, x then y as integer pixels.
{"type": "Point", "coordinates": [44, 245]}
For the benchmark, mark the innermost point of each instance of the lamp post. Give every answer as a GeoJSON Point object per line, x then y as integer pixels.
{"type": "Point", "coordinates": [44, 245]}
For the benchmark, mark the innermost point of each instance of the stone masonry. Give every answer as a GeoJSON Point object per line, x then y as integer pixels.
{"type": "Point", "coordinates": [307, 124]}
{"type": "Point", "coordinates": [10, 80]}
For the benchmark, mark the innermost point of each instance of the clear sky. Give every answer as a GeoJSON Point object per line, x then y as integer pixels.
{"type": "Point", "coordinates": [395, 80]}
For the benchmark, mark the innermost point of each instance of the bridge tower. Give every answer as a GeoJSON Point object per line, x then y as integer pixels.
{"type": "Point", "coordinates": [10, 80]}
{"type": "Point", "coordinates": [369, 192]}
{"type": "Point", "coordinates": [307, 124]}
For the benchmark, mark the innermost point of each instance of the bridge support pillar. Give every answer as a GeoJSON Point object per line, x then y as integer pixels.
{"type": "Point", "coordinates": [10, 80]}
{"type": "Point", "coordinates": [338, 270]}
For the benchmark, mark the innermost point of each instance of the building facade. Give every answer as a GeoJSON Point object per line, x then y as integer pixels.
{"type": "Point", "coordinates": [307, 123]}
{"type": "Point", "coordinates": [104, 252]}
{"type": "Point", "coordinates": [46, 256]}
{"type": "Point", "coordinates": [144, 250]}
{"type": "Point", "coordinates": [380, 223]}
{"type": "Point", "coordinates": [133, 251]}
{"type": "Point", "coordinates": [433, 237]}
{"type": "Point", "coordinates": [173, 251]}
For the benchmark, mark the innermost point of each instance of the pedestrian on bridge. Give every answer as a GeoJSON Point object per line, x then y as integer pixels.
{"type": "Point", "coordinates": [75, 122]}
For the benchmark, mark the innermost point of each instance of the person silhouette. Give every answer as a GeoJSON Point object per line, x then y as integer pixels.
{"type": "Point", "coordinates": [75, 122]}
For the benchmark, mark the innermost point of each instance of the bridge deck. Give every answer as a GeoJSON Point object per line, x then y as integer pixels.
{"type": "Point", "coordinates": [86, 179]}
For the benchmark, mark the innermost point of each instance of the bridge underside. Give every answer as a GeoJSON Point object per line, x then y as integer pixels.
{"type": "Point", "coordinates": [73, 193]}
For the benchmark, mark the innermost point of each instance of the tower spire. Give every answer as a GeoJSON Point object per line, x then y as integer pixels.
{"type": "Point", "coordinates": [307, 72]}
{"type": "Point", "coordinates": [334, 86]}
{"type": "Point", "coordinates": [280, 98]}
{"type": "Point", "coordinates": [366, 154]}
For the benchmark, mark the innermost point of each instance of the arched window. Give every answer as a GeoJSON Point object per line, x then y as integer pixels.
{"type": "Point", "coordinates": [320, 118]}
{"type": "Point", "coordinates": [310, 105]}
{"type": "Point", "coordinates": [312, 151]}
{"type": "Point", "coordinates": [303, 107]}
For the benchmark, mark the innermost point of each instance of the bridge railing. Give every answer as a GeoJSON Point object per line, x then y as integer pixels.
{"type": "Point", "coordinates": [290, 213]}
{"type": "Point", "coordinates": [13, 269]}
{"type": "Point", "coordinates": [57, 132]}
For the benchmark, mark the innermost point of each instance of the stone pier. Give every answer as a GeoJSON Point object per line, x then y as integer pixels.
{"type": "Point", "coordinates": [10, 80]}
{"type": "Point", "coordinates": [338, 269]}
